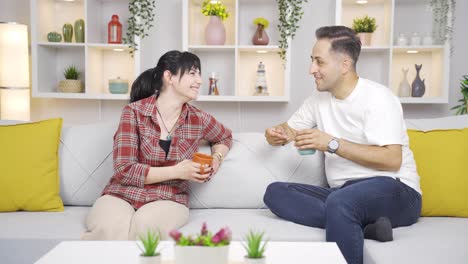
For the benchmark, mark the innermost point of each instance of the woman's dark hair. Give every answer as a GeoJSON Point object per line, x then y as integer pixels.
{"type": "Point", "coordinates": [343, 40]}
{"type": "Point", "coordinates": [150, 81]}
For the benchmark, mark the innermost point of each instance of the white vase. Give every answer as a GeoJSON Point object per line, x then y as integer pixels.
{"type": "Point", "coordinates": [199, 254]}
{"type": "Point", "coordinates": [215, 34]}
{"type": "Point", "coordinates": [254, 260]}
{"type": "Point", "coordinates": [404, 90]}
{"type": "Point", "coordinates": [150, 260]}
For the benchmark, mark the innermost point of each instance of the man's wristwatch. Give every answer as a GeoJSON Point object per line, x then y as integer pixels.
{"type": "Point", "coordinates": [333, 145]}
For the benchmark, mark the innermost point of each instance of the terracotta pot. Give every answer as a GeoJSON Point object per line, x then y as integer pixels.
{"type": "Point", "coordinates": [365, 38]}
{"type": "Point", "coordinates": [260, 37]}
{"type": "Point", "coordinates": [203, 160]}
{"type": "Point", "coordinates": [215, 34]}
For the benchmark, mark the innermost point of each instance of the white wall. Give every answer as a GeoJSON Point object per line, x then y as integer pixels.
{"type": "Point", "coordinates": [166, 35]}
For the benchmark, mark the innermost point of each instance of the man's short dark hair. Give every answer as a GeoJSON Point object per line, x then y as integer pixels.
{"type": "Point", "coordinates": [343, 40]}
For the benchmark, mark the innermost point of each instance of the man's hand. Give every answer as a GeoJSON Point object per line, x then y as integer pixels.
{"type": "Point", "coordinates": [276, 136]}
{"type": "Point", "coordinates": [312, 139]}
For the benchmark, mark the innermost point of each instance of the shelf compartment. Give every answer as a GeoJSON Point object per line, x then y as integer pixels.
{"type": "Point", "coordinates": [54, 60]}
{"type": "Point", "coordinates": [433, 60]}
{"type": "Point", "coordinates": [381, 10]}
{"type": "Point", "coordinates": [248, 11]}
{"type": "Point", "coordinates": [248, 60]}
{"type": "Point", "coordinates": [98, 16]}
{"type": "Point", "coordinates": [220, 61]}
{"type": "Point", "coordinates": [209, 98]}
{"type": "Point", "coordinates": [405, 12]}
{"type": "Point", "coordinates": [105, 63]}
{"type": "Point", "coordinates": [197, 22]}
{"type": "Point", "coordinates": [51, 15]}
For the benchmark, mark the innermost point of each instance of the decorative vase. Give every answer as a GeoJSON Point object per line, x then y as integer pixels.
{"type": "Point", "coordinates": [418, 87]}
{"type": "Point", "coordinates": [118, 86]}
{"type": "Point", "coordinates": [150, 260]}
{"type": "Point", "coordinates": [200, 254]}
{"type": "Point", "coordinates": [70, 86]}
{"type": "Point", "coordinates": [404, 89]}
{"type": "Point", "coordinates": [79, 31]}
{"type": "Point", "coordinates": [67, 31]}
{"type": "Point", "coordinates": [54, 37]}
{"type": "Point", "coordinates": [215, 34]}
{"type": "Point", "coordinates": [114, 30]}
{"type": "Point", "coordinates": [260, 37]}
{"type": "Point", "coordinates": [254, 260]}
{"type": "Point", "coordinates": [365, 38]}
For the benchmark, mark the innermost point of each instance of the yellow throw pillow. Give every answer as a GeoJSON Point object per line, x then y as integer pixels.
{"type": "Point", "coordinates": [441, 157]}
{"type": "Point", "coordinates": [29, 178]}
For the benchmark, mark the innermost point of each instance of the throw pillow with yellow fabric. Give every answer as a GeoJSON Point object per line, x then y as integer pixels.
{"type": "Point", "coordinates": [441, 162]}
{"type": "Point", "coordinates": [29, 177]}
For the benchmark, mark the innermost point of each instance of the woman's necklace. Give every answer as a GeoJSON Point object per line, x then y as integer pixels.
{"type": "Point", "coordinates": [168, 137]}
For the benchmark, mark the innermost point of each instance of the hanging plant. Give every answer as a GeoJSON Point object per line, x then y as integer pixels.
{"type": "Point", "coordinates": [139, 22]}
{"type": "Point", "coordinates": [290, 13]}
{"type": "Point", "coordinates": [443, 17]}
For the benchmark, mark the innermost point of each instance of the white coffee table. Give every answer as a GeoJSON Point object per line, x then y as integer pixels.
{"type": "Point", "coordinates": [126, 252]}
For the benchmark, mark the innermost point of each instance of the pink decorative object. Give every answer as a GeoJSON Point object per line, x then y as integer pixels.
{"type": "Point", "coordinates": [260, 37]}
{"type": "Point", "coordinates": [215, 34]}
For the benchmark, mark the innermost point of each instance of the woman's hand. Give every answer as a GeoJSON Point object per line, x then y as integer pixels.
{"type": "Point", "coordinates": [190, 171]}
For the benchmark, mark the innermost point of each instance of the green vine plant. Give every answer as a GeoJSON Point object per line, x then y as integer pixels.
{"type": "Point", "coordinates": [443, 15]}
{"type": "Point", "coordinates": [290, 13]}
{"type": "Point", "coordinates": [140, 21]}
{"type": "Point", "coordinates": [462, 109]}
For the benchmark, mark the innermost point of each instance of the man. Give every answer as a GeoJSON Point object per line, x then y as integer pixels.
{"type": "Point", "coordinates": [359, 126]}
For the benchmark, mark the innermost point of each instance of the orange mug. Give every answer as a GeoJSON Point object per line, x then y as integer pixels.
{"type": "Point", "coordinates": [202, 159]}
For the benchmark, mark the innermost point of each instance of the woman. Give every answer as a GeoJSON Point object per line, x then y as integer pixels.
{"type": "Point", "coordinates": [158, 134]}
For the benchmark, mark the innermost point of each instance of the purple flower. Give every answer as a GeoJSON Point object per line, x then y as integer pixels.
{"type": "Point", "coordinates": [204, 230]}
{"type": "Point", "coordinates": [175, 235]}
{"type": "Point", "coordinates": [224, 234]}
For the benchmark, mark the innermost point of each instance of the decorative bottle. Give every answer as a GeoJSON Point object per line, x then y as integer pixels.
{"type": "Point", "coordinates": [404, 88]}
{"type": "Point", "coordinates": [260, 83]}
{"type": "Point", "coordinates": [114, 31]}
{"type": "Point", "coordinates": [213, 89]}
{"type": "Point", "coordinates": [418, 88]}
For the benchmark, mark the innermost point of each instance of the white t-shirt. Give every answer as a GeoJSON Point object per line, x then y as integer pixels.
{"type": "Point", "coordinates": [370, 115]}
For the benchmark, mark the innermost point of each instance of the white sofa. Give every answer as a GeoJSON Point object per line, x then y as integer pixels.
{"type": "Point", "coordinates": [234, 198]}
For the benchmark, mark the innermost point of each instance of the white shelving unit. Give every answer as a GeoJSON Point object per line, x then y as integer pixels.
{"type": "Point", "coordinates": [236, 62]}
{"type": "Point", "coordinates": [97, 60]}
{"type": "Point", "coordinates": [383, 60]}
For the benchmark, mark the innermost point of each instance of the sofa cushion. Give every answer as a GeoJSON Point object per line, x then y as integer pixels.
{"type": "Point", "coordinates": [247, 170]}
{"type": "Point", "coordinates": [29, 177]}
{"type": "Point", "coordinates": [432, 240]}
{"type": "Point", "coordinates": [440, 157]}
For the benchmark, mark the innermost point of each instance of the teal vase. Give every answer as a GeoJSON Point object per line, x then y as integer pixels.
{"type": "Point", "coordinates": [67, 31]}
{"type": "Point", "coordinates": [79, 31]}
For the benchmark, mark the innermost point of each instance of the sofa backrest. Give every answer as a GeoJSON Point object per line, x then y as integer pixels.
{"type": "Point", "coordinates": [86, 167]}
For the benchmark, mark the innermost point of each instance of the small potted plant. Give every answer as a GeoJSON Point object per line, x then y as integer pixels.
{"type": "Point", "coordinates": [203, 248]}
{"type": "Point", "coordinates": [149, 253]}
{"type": "Point", "coordinates": [261, 37]}
{"type": "Point", "coordinates": [364, 27]}
{"type": "Point", "coordinates": [71, 84]}
{"type": "Point", "coordinates": [215, 33]}
{"type": "Point", "coordinates": [255, 248]}
{"type": "Point", "coordinates": [462, 108]}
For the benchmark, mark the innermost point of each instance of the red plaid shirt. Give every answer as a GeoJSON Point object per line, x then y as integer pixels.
{"type": "Point", "coordinates": [136, 149]}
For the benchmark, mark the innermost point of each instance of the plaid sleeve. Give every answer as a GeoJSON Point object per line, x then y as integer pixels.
{"type": "Point", "coordinates": [215, 132]}
{"type": "Point", "coordinates": [126, 141]}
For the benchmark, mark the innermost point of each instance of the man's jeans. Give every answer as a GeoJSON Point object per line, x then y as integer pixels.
{"type": "Point", "coordinates": [345, 211]}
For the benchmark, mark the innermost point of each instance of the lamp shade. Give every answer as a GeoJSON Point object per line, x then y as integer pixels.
{"type": "Point", "coordinates": [14, 71]}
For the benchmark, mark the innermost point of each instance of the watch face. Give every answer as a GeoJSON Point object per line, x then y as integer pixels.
{"type": "Point", "coordinates": [334, 144]}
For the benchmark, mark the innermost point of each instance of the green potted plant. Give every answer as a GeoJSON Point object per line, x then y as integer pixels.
{"type": "Point", "coordinates": [215, 33]}
{"type": "Point", "coordinates": [364, 27]}
{"type": "Point", "coordinates": [140, 21]}
{"type": "Point", "coordinates": [290, 13]}
{"type": "Point", "coordinates": [462, 109]}
{"type": "Point", "coordinates": [71, 84]}
{"type": "Point", "coordinates": [203, 248]}
{"type": "Point", "coordinates": [254, 248]}
{"type": "Point", "coordinates": [148, 247]}
{"type": "Point", "coordinates": [261, 37]}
